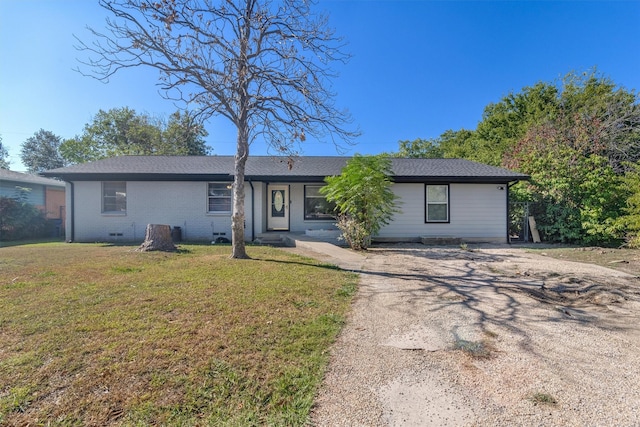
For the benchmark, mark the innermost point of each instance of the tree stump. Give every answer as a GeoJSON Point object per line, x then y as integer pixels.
{"type": "Point", "coordinates": [157, 238]}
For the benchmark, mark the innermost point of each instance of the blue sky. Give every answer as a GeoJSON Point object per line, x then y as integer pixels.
{"type": "Point", "coordinates": [418, 69]}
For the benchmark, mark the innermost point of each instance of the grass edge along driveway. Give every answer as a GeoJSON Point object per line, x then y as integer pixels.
{"type": "Point", "coordinates": [102, 335]}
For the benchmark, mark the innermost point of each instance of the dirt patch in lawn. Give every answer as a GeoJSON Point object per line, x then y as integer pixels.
{"type": "Point", "coordinates": [627, 260]}
{"type": "Point", "coordinates": [487, 336]}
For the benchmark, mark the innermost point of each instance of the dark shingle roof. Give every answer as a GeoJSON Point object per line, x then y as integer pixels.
{"type": "Point", "coordinates": [297, 169]}
{"type": "Point", "coordinates": [7, 175]}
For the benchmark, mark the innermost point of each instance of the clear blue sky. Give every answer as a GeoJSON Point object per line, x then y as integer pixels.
{"type": "Point", "coordinates": [418, 68]}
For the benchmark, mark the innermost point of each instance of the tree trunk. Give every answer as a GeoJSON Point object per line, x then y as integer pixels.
{"type": "Point", "coordinates": [157, 238]}
{"type": "Point", "coordinates": [238, 249]}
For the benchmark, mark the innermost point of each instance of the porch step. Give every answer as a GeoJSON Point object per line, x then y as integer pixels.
{"type": "Point", "coordinates": [445, 241]}
{"type": "Point", "coordinates": [272, 239]}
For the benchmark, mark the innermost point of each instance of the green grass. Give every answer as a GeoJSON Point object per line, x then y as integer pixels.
{"type": "Point", "coordinates": [543, 399]}
{"type": "Point", "coordinates": [476, 349]}
{"type": "Point", "coordinates": [103, 335]}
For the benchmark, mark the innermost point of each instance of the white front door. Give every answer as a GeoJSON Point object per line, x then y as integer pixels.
{"type": "Point", "coordinates": [278, 207]}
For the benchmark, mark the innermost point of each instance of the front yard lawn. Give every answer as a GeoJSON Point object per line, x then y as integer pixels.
{"type": "Point", "coordinates": [102, 335]}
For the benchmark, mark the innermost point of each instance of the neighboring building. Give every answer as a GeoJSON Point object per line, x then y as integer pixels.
{"type": "Point", "coordinates": [115, 198]}
{"type": "Point", "coordinates": [46, 194]}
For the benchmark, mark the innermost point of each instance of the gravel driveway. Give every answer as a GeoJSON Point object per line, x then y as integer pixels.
{"type": "Point", "coordinates": [492, 336]}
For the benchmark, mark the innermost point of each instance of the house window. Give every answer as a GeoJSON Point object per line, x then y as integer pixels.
{"type": "Point", "coordinates": [114, 197]}
{"type": "Point", "coordinates": [219, 197]}
{"type": "Point", "coordinates": [316, 206]}
{"type": "Point", "coordinates": [437, 203]}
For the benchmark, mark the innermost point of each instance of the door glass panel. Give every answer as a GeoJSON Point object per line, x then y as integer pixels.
{"type": "Point", "coordinates": [277, 203]}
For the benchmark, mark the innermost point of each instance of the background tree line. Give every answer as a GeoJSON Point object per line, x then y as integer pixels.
{"type": "Point", "coordinates": [119, 131]}
{"type": "Point", "coordinates": [578, 139]}
{"type": "Point", "coordinates": [115, 132]}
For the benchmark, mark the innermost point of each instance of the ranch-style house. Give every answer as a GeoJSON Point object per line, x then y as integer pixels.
{"type": "Point", "coordinates": [115, 198]}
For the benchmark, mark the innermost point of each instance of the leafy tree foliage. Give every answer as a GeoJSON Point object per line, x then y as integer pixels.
{"type": "Point", "coordinates": [608, 118]}
{"type": "Point", "coordinates": [420, 149]}
{"type": "Point", "coordinates": [184, 135]}
{"type": "Point", "coordinates": [363, 198]}
{"type": "Point", "coordinates": [503, 124]}
{"type": "Point", "coordinates": [40, 152]}
{"type": "Point", "coordinates": [577, 158]}
{"type": "Point", "coordinates": [451, 144]}
{"type": "Point", "coordinates": [578, 195]}
{"type": "Point", "coordinates": [4, 155]}
{"type": "Point", "coordinates": [263, 65]}
{"type": "Point", "coordinates": [630, 220]}
{"type": "Point", "coordinates": [593, 114]}
{"type": "Point", "coordinates": [577, 139]}
{"type": "Point", "coordinates": [122, 131]}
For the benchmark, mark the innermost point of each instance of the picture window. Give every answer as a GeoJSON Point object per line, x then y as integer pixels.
{"type": "Point", "coordinates": [316, 206]}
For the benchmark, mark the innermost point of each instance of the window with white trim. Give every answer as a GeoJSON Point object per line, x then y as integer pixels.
{"type": "Point", "coordinates": [114, 197]}
{"type": "Point", "coordinates": [219, 197]}
{"type": "Point", "coordinates": [437, 203]}
{"type": "Point", "coordinates": [316, 205]}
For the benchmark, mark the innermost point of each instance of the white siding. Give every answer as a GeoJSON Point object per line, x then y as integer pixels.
{"type": "Point", "coordinates": [477, 213]}
{"type": "Point", "coordinates": [181, 204]}
{"type": "Point", "coordinates": [260, 211]}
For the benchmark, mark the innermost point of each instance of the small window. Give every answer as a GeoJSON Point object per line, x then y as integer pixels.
{"type": "Point", "coordinates": [437, 200]}
{"type": "Point", "coordinates": [114, 197]}
{"type": "Point", "coordinates": [316, 206]}
{"type": "Point", "coordinates": [219, 197]}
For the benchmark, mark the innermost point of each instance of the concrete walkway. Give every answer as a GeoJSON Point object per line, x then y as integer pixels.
{"type": "Point", "coordinates": [325, 251]}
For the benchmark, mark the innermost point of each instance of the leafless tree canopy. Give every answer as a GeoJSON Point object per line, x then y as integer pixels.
{"type": "Point", "coordinates": [263, 64]}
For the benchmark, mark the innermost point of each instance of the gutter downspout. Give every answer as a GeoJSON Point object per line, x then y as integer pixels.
{"type": "Point", "coordinates": [253, 216]}
{"type": "Point", "coordinates": [71, 213]}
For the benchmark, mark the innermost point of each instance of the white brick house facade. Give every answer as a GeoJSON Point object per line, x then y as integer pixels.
{"type": "Point", "coordinates": [436, 198]}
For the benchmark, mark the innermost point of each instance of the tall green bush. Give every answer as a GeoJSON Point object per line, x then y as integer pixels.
{"type": "Point", "coordinates": [363, 198]}
{"type": "Point", "coordinates": [19, 219]}
{"type": "Point", "coordinates": [630, 221]}
{"type": "Point", "coordinates": [578, 197]}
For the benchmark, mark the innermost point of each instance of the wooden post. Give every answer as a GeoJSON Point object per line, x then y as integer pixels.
{"type": "Point", "coordinates": [534, 230]}
{"type": "Point", "coordinates": [157, 238]}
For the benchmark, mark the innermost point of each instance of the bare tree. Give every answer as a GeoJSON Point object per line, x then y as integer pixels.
{"type": "Point", "coordinates": [263, 64]}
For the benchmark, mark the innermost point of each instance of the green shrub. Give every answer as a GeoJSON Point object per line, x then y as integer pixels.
{"type": "Point", "coordinates": [630, 221]}
{"type": "Point", "coordinates": [20, 220]}
{"type": "Point", "coordinates": [363, 198]}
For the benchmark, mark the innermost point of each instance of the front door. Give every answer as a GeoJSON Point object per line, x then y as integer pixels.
{"type": "Point", "coordinates": [278, 207]}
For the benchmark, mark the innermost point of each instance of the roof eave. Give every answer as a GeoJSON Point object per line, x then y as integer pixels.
{"type": "Point", "coordinates": [129, 176]}
{"type": "Point", "coordinates": [460, 179]}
